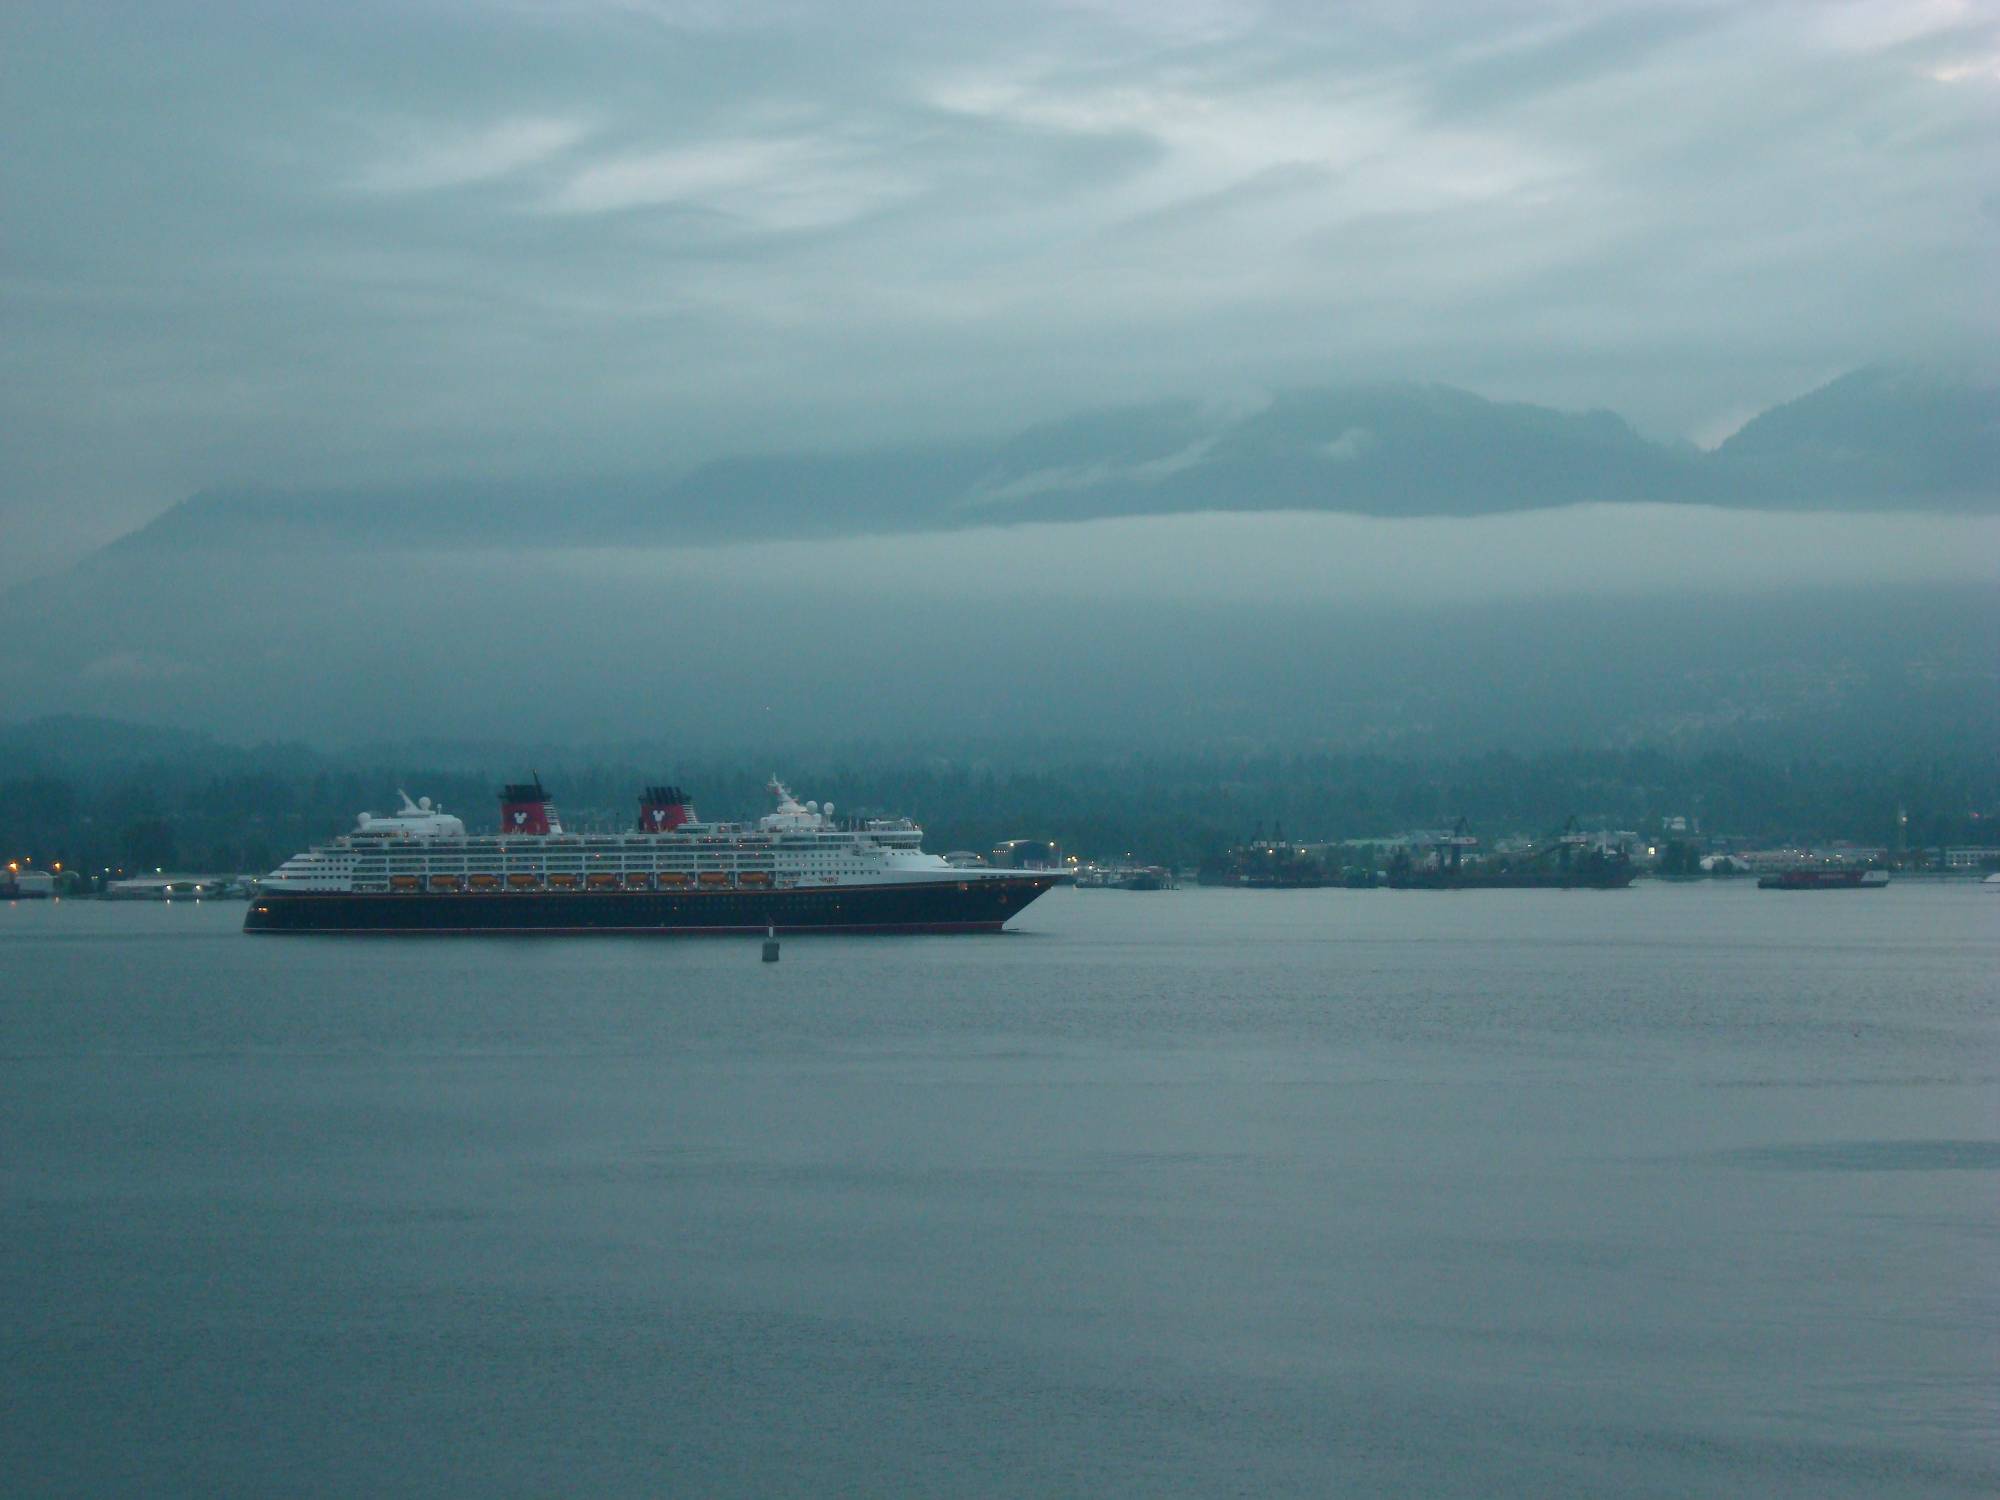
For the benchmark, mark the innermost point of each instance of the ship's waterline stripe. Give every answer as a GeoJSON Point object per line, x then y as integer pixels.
{"type": "Point", "coordinates": [859, 929]}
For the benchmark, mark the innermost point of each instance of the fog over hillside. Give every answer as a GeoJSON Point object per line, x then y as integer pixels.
{"type": "Point", "coordinates": [1364, 567]}
{"type": "Point", "coordinates": [1584, 625]}
{"type": "Point", "coordinates": [1448, 374]}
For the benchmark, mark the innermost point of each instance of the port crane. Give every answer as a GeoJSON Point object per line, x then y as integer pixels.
{"type": "Point", "coordinates": [1452, 848]}
{"type": "Point", "coordinates": [1564, 848]}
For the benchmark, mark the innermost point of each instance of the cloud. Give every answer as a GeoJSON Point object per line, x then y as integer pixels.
{"type": "Point", "coordinates": [1870, 26]}
{"type": "Point", "coordinates": [1603, 550]}
{"type": "Point", "coordinates": [774, 184]}
{"type": "Point", "coordinates": [1042, 482]}
{"type": "Point", "coordinates": [319, 249]}
{"type": "Point", "coordinates": [426, 160]}
{"type": "Point", "coordinates": [1976, 69]}
{"type": "Point", "coordinates": [135, 667]}
{"type": "Point", "coordinates": [1350, 445]}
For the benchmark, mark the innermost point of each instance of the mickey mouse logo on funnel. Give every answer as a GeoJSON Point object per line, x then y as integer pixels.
{"type": "Point", "coordinates": [525, 808]}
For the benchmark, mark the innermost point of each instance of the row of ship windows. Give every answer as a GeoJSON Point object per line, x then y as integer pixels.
{"type": "Point", "coordinates": [479, 867]}
{"type": "Point", "coordinates": [520, 860]}
{"type": "Point", "coordinates": [675, 861]}
{"type": "Point", "coordinates": [710, 883]}
{"type": "Point", "coordinates": [794, 842]}
{"type": "Point", "coordinates": [538, 855]}
{"type": "Point", "coordinates": [541, 856]}
{"type": "Point", "coordinates": [577, 856]}
{"type": "Point", "coordinates": [378, 872]}
{"type": "Point", "coordinates": [749, 862]}
{"type": "Point", "coordinates": [577, 859]}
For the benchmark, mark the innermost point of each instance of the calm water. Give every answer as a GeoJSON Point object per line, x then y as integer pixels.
{"type": "Point", "coordinates": [1683, 1190]}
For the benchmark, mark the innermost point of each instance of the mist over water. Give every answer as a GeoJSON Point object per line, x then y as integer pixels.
{"type": "Point", "coordinates": [1681, 1190]}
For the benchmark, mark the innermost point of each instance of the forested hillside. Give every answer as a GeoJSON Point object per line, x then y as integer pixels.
{"type": "Point", "coordinates": [178, 801]}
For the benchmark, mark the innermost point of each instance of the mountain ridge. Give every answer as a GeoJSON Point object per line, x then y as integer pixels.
{"type": "Point", "coordinates": [1880, 437]}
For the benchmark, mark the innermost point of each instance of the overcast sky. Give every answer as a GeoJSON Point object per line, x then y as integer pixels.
{"type": "Point", "coordinates": [318, 244]}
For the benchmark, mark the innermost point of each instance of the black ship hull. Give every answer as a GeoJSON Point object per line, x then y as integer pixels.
{"type": "Point", "coordinates": [931, 906]}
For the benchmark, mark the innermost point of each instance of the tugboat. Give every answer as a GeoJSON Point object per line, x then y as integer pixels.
{"type": "Point", "coordinates": [795, 870]}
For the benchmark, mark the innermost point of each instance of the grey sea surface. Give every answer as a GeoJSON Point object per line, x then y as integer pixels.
{"type": "Point", "coordinates": [1683, 1190]}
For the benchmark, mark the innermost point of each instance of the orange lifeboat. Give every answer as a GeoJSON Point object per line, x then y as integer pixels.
{"type": "Point", "coordinates": [635, 881]}
{"type": "Point", "coordinates": [404, 883]}
{"type": "Point", "coordinates": [755, 878]}
{"type": "Point", "coordinates": [602, 882]}
{"type": "Point", "coordinates": [444, 882]}
{"type": "Point", "coordinates": [484, 882]}
{"type": "Point", "coordinates": [673, 880]}
{"type": "Point", "coordinates": [714, 878]}
{"type": "Point", "coordinates": [522, 883]}
{"type": "Point", "coordinates": [563, 882]}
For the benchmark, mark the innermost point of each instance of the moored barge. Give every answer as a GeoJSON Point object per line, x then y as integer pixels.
{"type": "Point", "coordinates": [1824, 878]}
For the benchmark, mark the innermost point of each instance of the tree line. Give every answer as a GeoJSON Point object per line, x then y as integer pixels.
{"type": "Point", "coordinates": [245, 811]}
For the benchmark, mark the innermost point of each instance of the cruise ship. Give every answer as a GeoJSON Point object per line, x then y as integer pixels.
{"type": "Point", "coordinates": [796, 869]}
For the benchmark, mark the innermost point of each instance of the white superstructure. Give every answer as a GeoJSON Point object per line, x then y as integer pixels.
{"type": "Point", "coordinates": [797, 845]}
